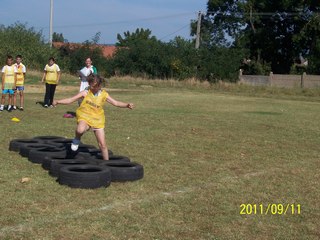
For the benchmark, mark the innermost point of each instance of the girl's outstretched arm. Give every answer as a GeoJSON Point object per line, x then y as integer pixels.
{"type": "Point", "coordinates": [70, 100]}
{"type": "Point", "coordinates": [119, 104]}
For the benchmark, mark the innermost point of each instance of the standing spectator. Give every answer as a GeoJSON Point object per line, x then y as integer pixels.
{"type": "Point", "coordinates": [85, 72]}
{"type": "Point", "coordinates": [21, 74]}
{"type": "Point", "coordinates": [51, 77]}
{"type": "Point", "coordinates": [9, 79]}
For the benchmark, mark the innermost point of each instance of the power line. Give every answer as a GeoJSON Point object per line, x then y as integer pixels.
{"type": "Point", "coordinates": [168, 35]}
{"type": "Point", "coordinates": [124, 21]}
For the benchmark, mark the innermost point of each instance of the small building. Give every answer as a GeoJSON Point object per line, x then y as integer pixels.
{"type": "Point", "coordinates": [107, 50]}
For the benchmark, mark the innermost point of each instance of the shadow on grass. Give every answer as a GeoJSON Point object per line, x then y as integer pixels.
{"type": "Point", "coordinates": [41, 103]}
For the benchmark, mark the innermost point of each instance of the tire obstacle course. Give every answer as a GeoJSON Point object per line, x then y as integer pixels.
{"type": "Point", "coordinates": [83, 168]}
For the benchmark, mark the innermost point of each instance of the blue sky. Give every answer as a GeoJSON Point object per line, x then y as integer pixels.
{"type": "Point", "coordinates": [80, 20]}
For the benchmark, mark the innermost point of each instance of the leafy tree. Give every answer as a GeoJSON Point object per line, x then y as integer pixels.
{"type": "Point", "coordinates": [183, 58]}
{"type": "Point", "coordinates": [141, 54]}
{"type": "Point", "coordinates": [58, 37]}
{"type": "Point", "coordinates": [274, 31]}
{"type": "Point", "coordinates": [18, 39]}
{"type": "Point", "coordinates": [95, 39]}
{"type": "Point", "coordinates": [219, 63]}
{"type": "Point", "coordinates": [131, 38]}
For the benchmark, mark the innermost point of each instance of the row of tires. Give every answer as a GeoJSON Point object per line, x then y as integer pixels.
{"type": "Point", "coordinates": [84, 168]}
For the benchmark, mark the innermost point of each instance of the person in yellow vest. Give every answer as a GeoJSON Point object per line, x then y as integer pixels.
{"type": "Point", "coordinates": [90, 114]}
{"type": "Point", "coordinates": [8, 83]}
{"type": "Point", "coordinates": [21, 73]}
{"type": "Point", "coordinates": [51, 77]}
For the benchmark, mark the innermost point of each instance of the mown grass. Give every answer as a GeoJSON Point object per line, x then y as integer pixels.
{"type": "Point", "coordinates": [204, 153]}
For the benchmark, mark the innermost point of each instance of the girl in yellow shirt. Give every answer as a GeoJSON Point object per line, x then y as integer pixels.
{"type": "Point", "coordinates": [90, 113]}
{"type": "Point", "coordinates": [51, 76]}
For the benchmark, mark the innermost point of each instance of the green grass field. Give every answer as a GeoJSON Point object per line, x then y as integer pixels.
{"type": "Point", "coordinates": [205, 152]}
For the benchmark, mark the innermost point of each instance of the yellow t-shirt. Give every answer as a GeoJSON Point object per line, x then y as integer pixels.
{"type": "Point", "coordinates": [52, 73]}
{"type": "Point", "coordinates": [91, 109]}
{"type": "Point", "coordinates": [21, 69]}
{"type": "Point", "coordinates": [9, 72]}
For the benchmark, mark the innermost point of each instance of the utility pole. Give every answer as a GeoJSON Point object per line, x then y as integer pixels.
{"type": "Point", "coordinates": [198, 30]}
{"type": "Point", "coordinates": [51, 18]}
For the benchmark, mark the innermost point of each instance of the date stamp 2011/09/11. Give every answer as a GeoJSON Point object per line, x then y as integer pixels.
{"type": "Point", "coordinates": [270, 208]}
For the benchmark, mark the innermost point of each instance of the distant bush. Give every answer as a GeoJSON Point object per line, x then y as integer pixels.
{"type": "Point", "coordinates": [18, 39]}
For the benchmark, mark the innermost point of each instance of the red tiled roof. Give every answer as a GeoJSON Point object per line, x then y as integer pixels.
{"type": "Point", "coordinates": [107, 50]}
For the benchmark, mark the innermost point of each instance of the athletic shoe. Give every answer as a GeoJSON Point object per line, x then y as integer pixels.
{"type": "Point", "coordinates": [51, 106]}
{"type": "Point", "coordinates": [46, 105]}
{"type": "Point", "coordinates": [75, 144]}
{"type": "Point", "coordinates": [14, 108]}
{"type": "Point", "coordinates": [21, 108]}
{"type": "Point", "coordinates": [1, 108]}
{"type": "Point", "coordinates": [9, 108]}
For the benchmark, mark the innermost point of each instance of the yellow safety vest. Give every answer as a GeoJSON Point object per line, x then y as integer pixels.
{"type": "Point", "coordinates": [51, 74]}
{"type": "Point", "coordinates": [9, 77]}
{"type": "Point", "coordinates": [20, 74]}
{"type": "Point", "coordinates": [91, 109]}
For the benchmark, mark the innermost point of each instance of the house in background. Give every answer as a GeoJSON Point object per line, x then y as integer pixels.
{"type": "Point", "coordinates": [107, 50]}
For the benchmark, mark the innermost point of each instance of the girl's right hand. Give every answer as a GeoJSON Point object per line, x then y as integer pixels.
{"type": "Point", "coordinates": [130, 105]}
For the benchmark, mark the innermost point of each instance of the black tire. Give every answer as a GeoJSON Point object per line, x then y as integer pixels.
{"type": "Point", "coordinates": [38, 155]}
{"type": "Point", "coordinates": [60, 142]}
{"type": "Point", "coordinates": [46, 162]}
{"type": "Point", "coordinates": [85, 176]}
{"type": "Point", "coordinates": [112, 157]}
{"type": "Point", "coordinates": [97, 152]}
{"type": "Point", "coordinates": [48, 138]}
{"type": "Point", "coordinates": [15, 144]}
{"type": "Point", "coordinates": [83, 148]}
{"type": "Point", "coordinates": [26, 148]}
{"type": "Point", "coordinates": [57, 164]}
{"type": "Point", "coordinates": [124, 171]}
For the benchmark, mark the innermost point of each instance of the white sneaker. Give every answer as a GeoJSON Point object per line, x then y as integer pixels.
{"type": "Point", "coordinates": [75, 144]}
{"type": "Point", "coordinates": [74, 147]}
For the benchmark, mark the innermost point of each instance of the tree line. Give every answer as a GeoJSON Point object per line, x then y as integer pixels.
{"type": "Point", "coordinates": [257, 36]}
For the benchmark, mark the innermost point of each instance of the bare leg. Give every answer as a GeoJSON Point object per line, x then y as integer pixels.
{"type": "Point", "coordinates": [3, 99]}
{"type": "Point", "coordinates": [102, 143]}
{"type": "Point", "coordinates": [10, 99]}
{"type": "Point", "coordinates": [82, 127]}
{"type": "Point", "coordinates": [15, 98]}
{"type": "Point", "coordinates": [21, 99]}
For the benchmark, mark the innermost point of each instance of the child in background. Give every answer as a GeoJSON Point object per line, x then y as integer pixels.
{"type": "Point", "coordinates": [85, 72]}
{"type": "Point", "coordinates": [8, 83]}
{"type": "Point", "coordinates": [90, 114]}
{"type": "Point", "coordinates": [21, 73]}
{"type": "Point", "coordinates": [51, 77]}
